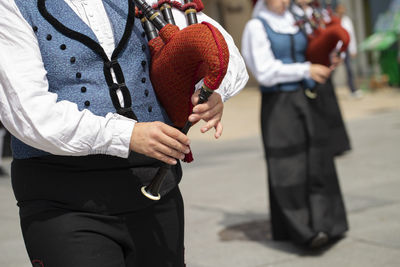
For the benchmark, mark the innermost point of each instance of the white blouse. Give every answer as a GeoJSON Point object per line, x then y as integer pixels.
{"type": "Point", "coordinates": [257, 53]}
{"type": "Point", "coordinates": [32, 114]}
{"type": "Point", "coordinates": [347, 24]}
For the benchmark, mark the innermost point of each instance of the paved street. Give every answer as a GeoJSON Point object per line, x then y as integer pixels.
{"type": "Point", "coordinates": [226, 199]}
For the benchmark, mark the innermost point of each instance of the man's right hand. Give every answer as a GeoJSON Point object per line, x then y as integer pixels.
{"type": "Point", "coordinates": [319, 73]}
{"type": "Point", "coordinates": [160, 141]}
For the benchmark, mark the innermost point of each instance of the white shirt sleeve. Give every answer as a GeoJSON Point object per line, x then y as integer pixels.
{"type": "Point", "coordinates": [257, 53]}
{"type": "Point", "coordinates": [236, 76]}
{"type": "Point", "coordinates": [347, 24]}
{"type": "Point", "coordinates": [32, 114]}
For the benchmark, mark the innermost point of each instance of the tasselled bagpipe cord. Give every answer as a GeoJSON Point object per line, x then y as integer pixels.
{"type": "Point", "coordinates": [151, 22]}
{"type": "Point", "coordinates": [300, 21]}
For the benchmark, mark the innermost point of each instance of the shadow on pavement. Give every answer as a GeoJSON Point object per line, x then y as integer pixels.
{"type": "Point", "coordinates": [260, 231]}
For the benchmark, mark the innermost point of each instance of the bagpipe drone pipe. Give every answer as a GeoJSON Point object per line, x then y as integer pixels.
{"type": "Point", "coordinates": [325, 36]}
{"type": "Point", "coordinates": [179, 60]}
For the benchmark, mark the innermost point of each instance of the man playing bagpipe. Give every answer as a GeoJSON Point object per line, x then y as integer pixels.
{"type": "Point", "coordinates": [89, 130]}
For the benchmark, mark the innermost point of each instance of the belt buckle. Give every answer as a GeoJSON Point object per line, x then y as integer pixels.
{"type": "Point", "coordinates": [310, 93]}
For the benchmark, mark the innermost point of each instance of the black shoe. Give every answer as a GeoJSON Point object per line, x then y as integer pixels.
{"type": "Point", "coordinates": [319, 240]}
{"type": "Point", "coordinates": [3, 173]}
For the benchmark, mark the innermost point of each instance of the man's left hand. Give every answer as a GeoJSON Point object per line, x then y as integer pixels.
{"type": "Point", "coordinates": [211, 112]}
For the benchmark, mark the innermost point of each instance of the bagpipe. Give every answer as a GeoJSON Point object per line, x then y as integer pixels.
{"type": "Point", "coordinates": [325, 35]}
{"type": "Point", "coordinates": [179, 60]}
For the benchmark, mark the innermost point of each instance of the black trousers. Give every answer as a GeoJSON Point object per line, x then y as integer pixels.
{"type": "Point", "coordinates": [349, 72]}
{"type": "Point", "coordinates": [304, 192]}
{"type": "Point", "coordinates": [151, 237]}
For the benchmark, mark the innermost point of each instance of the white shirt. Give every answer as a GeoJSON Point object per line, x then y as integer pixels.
{"type": "Point", "coordinates": [257, 53]}
{"type": "Point", "coordinates": [32, 114]}
{"type": "Point", "coordinates": [304, 14]}
{"type": "Point", "coordinates": [347, 24]}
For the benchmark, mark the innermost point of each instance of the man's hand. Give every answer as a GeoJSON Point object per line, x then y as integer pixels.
{"type": "Point", "coordinates": [211, 112]}
{"type": "Point", "coordinates": [319, 73]}
{"type": "Point", "coordinates": [160, 141]}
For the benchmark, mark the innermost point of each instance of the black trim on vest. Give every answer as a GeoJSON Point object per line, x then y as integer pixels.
{"type": "Point", "coordinates": [292, 48]}
{"type": "Point", "coordinates": [128, 29]}
{"type": "Point", "coordinates": [108, 64]}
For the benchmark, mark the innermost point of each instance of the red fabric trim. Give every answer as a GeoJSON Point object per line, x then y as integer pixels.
{"type": "Point", "coordinates": [188, 157]}
{"type": "Point", "coordinates": [200, 5]}
{"type": "Point", "coordinates": [38, 262]}
{"type": "Point", "coordinates": [189, 5]}
{"type": "Point", "coordinates": [160, 2]}
{"type": "Point", "coordinates": [137, 12]}
{"type": "Point", "coordinates": [221, 59]}
{"type": "Point", "coordinates": [177, 5]}
{"type": "Point", "coordinates": [196, 4]}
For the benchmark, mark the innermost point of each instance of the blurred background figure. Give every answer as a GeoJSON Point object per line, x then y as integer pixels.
{"type": "Point", "coordinates": [351, 52]}
{"type": "Point", "coordinates": [2, 135]}
{"type": "Point", "coordinates": [313, 18]}
{"type": "Point", "coordinates": [306, 205]}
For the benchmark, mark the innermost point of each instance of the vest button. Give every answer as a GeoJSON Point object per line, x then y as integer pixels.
{"type": "Point", "coordinates": [87, 103]}
{"type": "Point", "coordinates": [63, 47]}
{"type": "Point", "coordinates": [49, 37]}
{"type": "Point", "coordinates": [72, 60]}
{"type": "Point", "coordinates": [143, 47]}
{"type": "Point", "coordinates": [143, 63]}
{"type": "Point", "coordinates": [143, 80]}
{"type": "Point", "coordinates": [150, 109]}
{"type": "Point", "coordinates": [78, 75]}
{"type": "Point", "coordinates": [146, 92]}
{"type": "Point", "coordinates": [143, 34]}
{"type": "Point", "coordinates": [35, 28]}
{"type": "Point", "coordinates": [83, 89]}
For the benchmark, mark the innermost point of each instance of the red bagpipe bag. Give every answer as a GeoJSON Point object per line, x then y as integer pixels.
{"type": "Point", "coordinates": [180, 59]}
{"type": "Point", "coordinates": [324, 39]}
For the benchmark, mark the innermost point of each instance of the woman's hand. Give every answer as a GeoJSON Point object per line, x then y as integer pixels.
{"type": "Point", "coordinates": [160, 141]}
{"type": "Point", "coordinates": [319, 73]}
{"type": "Point", "coordinates": [210, 111]}
{"type": "Point", "coordinates": [336, 60]}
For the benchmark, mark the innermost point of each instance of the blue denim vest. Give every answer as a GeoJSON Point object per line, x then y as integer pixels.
{"type": "Point", "coordinates": [76, 73]}
{"type": "Point", "coordinates": [288, 49]}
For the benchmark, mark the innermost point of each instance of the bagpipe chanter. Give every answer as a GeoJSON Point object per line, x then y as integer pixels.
{"type": "Point", "coordinates": [179, 60]}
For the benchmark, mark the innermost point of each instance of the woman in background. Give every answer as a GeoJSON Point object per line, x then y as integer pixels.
{"type": "Point", "coordinates": [306, 204]}
{"type": "Point", "coordinates": [2, 135]}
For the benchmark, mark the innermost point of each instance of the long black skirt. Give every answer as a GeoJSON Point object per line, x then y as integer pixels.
{"type": "Point", "coordinates": [304, 192]}
{"type": "Point", "coordinates": [339, 141]}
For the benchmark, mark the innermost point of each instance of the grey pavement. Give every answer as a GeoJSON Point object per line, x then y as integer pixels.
{"type": "Point", "coordinates": [226, 202]}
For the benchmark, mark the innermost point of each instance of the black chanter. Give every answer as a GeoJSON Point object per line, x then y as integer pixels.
{"type": "Point", "coordinates": [152, 21]}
